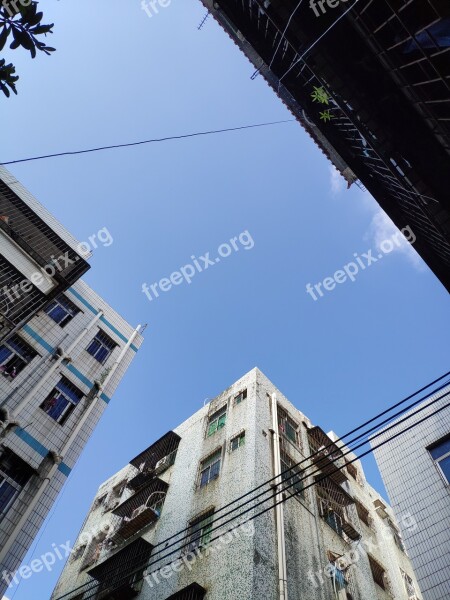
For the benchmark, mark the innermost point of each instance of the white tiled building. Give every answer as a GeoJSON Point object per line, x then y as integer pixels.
{"type": "Point", "coordinates": [334, 539]}
{"type": "Point", "coordinates": [63, 352]}
{"type": "Point", "coordinates": [416, 471]}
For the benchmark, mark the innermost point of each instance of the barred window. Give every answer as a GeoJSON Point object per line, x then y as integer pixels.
{"type": "Point", "coordinates": [200, 531]}
{"type": "Point", "coordinates": [62, 310]}
{"type": "Point", "coordinates": [61, 401]}
{"type": "Point", "coordinates": [15, 355]}
{"type": "Point", "coordinates": [101, 347]}
{"type": "Point", "coordinates": [288, 427]}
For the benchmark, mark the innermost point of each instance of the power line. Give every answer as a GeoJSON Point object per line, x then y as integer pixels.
{"type": "Point", "coordinates": [136, 570]}
{"type": "Point", "coordinates": [150, 141]}
{"type": "Point", "coordinates": [307, 475]}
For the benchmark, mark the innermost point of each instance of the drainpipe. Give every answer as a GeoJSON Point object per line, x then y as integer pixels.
{"type": "Point", "coordinates": [279, 509]}
{"type": "Point", "coordinates": [59, 458]}
{"type": "Point", "coordinates": [62, 356]}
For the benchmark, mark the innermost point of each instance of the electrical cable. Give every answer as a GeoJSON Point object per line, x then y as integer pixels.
{"type": "Point", "coordinates": [151, 141]}
{"type": "Point", "coordinates": [290, 470]}
{"type": "Point", "coordinates": [317, 480]}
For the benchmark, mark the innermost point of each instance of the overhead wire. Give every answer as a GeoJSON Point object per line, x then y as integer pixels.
{"type": "Point", "coordinates": [149, 141]}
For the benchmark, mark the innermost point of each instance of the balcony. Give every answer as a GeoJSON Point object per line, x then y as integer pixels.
{"type": "Point", "coordinates": [121, 576]}
{"type": "Point", "coordinates": [146, 474]}
{"type": "Point", "coordinates": [333, 503]}
{"type": "Point", "coordinates": [140, 510]}
{"type": "Point", "coordinates": [152, 458]}
{"type": "Point", "coordinates": [31, 240]}
{"type": "Point", "coordinates": [326, 455]}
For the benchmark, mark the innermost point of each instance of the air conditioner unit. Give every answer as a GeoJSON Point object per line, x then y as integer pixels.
{"type": "Point", "coordinates": [162, 464]}
{"type": "Point", "coordinates": [137, 511]}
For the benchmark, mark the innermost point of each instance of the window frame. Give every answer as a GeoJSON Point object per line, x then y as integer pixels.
{"type": "Point", "coordinates": [285, 421]}
{"type": "Point", "coordinates": [198, 538]}
{"type": "Point", "coordinates": [409, 584]}
{"type": "Point", "coordinates": [238, 399]}
{"type": "Point", "coordinates": [15, 355]}
{"type": "Point", "coordinates": [70, 405]}
{"type": "Point", "coordinates": [438, 459]}
{"type": "Point", "coordinates": [71, 310]}
{"type": "Point", "coordinates": [4, 478]}
{"type": "Point", "coordinates": [219, 419]}
{"type": "Point", "coordinates": [107, 344]}
{"type": "Point", "coordinates": [294, 478]}
{"type": "Point", "coordinates": [240, 437]}
{"type": "Point", "coordinates": [207, 464]}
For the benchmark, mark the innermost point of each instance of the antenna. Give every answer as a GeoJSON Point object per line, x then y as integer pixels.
{"type": "Point", "coordinates": [205, 18]}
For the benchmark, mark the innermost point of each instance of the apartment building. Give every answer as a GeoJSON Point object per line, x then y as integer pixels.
{"type": "Point", "coordinates": [416, 471]}
{"type": "Point", "coordinates": [157, 529]}
{"type": "Point", "coordinates": [63, 352]}
{"type": "Point", "coordinates": [39, 259]}
{"type": "Point", "coordinates": [369, 82]}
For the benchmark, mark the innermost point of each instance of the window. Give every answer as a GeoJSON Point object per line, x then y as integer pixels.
{"type": "Point", "coordinates": [363, 513]}
{"type": "Point", "coordinates": [237, 442]}
{"type": "Point", "coordinates": [61, 401]}
{"type": "Point", "coordinates": [396, 535]}
{"type": "Point", "coordinates": [217, 420]}
{"type": "Point", "coordinates": [241, 396]}
{"type": "Point", "coordinates": [101, 347]}
{"type": "Point", "coordinates": [14, 475]}
{"type": "Point", "coordinates": [378, 573]}
{"type": "Point", "coordinates": [210, 468]}
{"type": "Point", "coordinates": [409, 585]}
{"type": "Point", "coordinates": [440, 452]}
{"type": "Point", "coordinates": [192, 592]}
{"type": "Point", "coordinates": [62, 310]}
{"type": "Point", "coordinates": [288, 427]}
{"type": "Point", "coordinates": [293, 477]}
{"type": "Point", "coordinates": [15, 355]}
{"type": "Point", "coordinates": [200, 531]}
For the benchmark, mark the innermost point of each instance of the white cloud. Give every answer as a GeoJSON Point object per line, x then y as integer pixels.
{"type": "Point", "coordinates": [382, 228]}
{"type": "Point", "coordinates": [337, 182]}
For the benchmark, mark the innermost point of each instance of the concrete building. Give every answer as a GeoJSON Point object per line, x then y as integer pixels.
{"type": "Point", "coordinates": [334, 538]}
{"type": "Point", "coordinates": [39, 259]}
{"type": "Point", "coordinates": [416, 470]}
{"type": "Point", "coordinates": [62, 356]}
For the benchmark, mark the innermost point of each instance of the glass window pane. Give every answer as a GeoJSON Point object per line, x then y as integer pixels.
{"type": "Point", "coordinates": [221, 421]}
{"type": "Point", "coordinates": [5, 353]}
{"type": "Point", "coordinates": [215, 469]}
{"type": "Point", "coordinates": [212, 427]}
{"type": "Point", "coordinates": [204, 477]}
{"type": "Point", "coordinates": [445, 467]}
{"type": "Point", "coordinates": [441, 449]}
{"type": "Point", "coordinates": [7, 493]}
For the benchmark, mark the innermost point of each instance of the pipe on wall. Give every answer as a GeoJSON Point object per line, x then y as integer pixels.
{"type": "Point", "coordinates": [279, 508]}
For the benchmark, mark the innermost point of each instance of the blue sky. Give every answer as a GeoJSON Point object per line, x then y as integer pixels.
{"type": "Point", "coordinates": [120, 76]}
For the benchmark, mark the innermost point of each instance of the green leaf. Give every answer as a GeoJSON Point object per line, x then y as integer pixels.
{"type": "Point", "coordinates": [4, 36]}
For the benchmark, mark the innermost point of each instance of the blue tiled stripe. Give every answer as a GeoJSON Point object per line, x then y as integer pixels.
{"type": "Point", "coordinates": [86, 381]}
{"type": "Point", "coordinates": [102, 318]}
{"type": "Point", "coordinates": [39, 448]}
{"type": "Point", "coordinates": [38, 339]}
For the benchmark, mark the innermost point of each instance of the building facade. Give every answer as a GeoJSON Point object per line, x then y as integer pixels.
{"type": "Point", "coordinates": [157, 530]}
{"type": "Point", "coordinates": [370, 82]}
{"type": "Point", "coordinates": [416, 470]}
{"type": "Point", "coordinates": [63, 352]}
{"type": "Point", "coordinates": [39, 259]}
